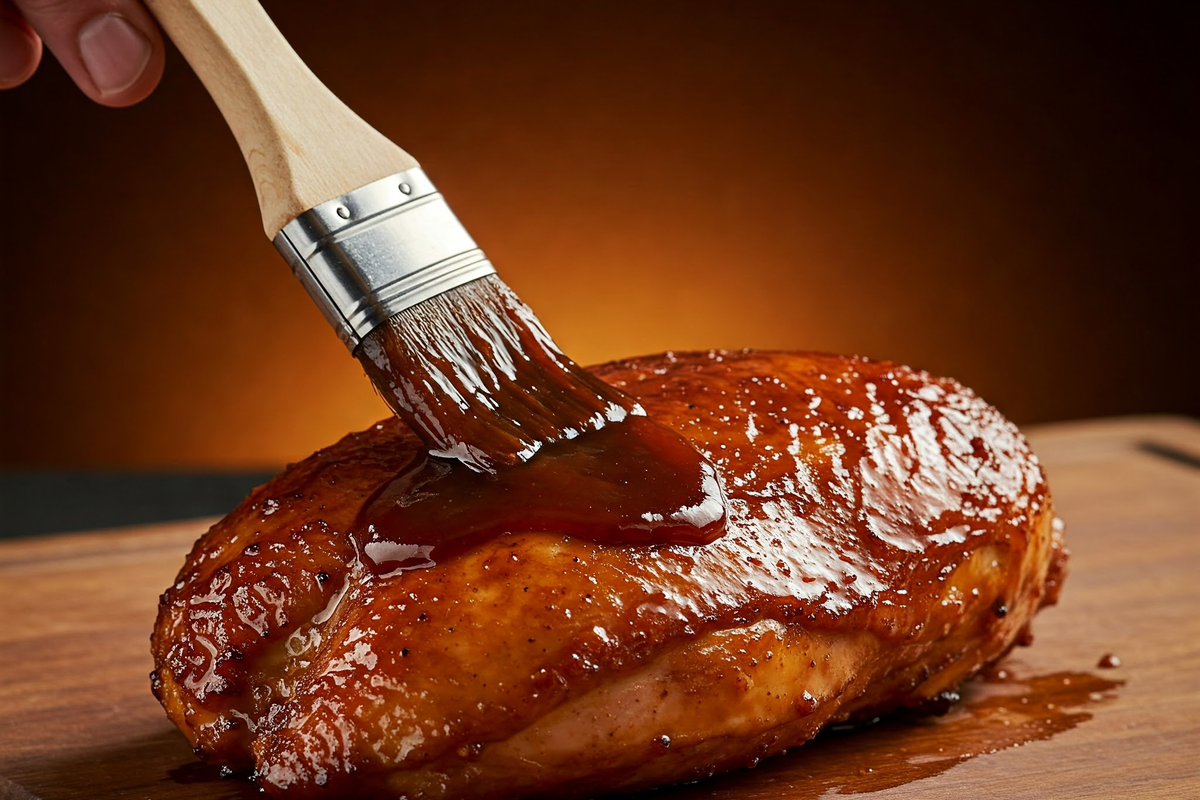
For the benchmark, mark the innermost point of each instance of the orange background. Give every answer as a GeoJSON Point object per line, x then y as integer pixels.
{"type": "Point", "coordinates": [1005, 195]}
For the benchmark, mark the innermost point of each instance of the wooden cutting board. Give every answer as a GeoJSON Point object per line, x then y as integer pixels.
{"type": "Point", "coordinates": [77, 719]}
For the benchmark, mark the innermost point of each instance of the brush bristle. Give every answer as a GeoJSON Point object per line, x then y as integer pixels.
{"type": "Point", "coordinates": [475, 374]}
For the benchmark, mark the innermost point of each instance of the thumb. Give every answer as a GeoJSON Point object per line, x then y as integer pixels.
{"type": "Point", "coordinates": [112, 49]}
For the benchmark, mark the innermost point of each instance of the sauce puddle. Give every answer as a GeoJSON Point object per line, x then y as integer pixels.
{"type": "Point", "coordinates": [999, 710]}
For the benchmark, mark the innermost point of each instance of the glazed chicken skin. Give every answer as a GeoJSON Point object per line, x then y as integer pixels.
{"type": "Point", "coordinates": [887, 534]}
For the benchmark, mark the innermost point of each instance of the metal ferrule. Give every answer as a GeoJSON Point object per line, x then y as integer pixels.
{"type": "Point", "coordinates": [378, 250]}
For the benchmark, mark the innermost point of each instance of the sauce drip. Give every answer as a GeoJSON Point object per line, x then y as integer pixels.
{"type": "Point", "coordinates": [631, 483]}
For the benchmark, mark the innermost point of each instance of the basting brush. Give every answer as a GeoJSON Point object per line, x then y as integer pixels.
{"type": "Point", "coordinates": [448, 345]}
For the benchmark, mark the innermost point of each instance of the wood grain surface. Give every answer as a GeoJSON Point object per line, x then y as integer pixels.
{"type": "Point", "coordinates": [77, 719]}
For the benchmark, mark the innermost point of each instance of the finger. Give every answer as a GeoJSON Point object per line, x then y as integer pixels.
{"type": "Point", "coordinates": [111, 48]}
{"type": "Point", "coordinates": [20, 47]}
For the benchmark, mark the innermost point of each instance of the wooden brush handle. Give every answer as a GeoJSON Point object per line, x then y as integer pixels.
{"type": "Point", "coordinates": [302, 144]}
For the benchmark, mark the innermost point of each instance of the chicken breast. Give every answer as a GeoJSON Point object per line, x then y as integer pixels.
{"type": "Point", "coordinates": [887, 534]}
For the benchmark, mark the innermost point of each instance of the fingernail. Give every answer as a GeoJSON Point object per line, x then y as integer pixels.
{"type": "Point", "coordinates": [114, 53]}
{"type": "Point", "coordinates": [18, 55]}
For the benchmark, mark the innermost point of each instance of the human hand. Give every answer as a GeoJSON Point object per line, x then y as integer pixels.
{"type": "Point", "coordinates": [112, 49]}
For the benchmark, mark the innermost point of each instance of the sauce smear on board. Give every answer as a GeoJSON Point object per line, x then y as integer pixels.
{"type": "Point", "coordinates": [1000, 709]}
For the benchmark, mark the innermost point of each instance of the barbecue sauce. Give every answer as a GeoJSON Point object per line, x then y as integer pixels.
{"type": "Point", "coordinates": [630, 483]}
{"type": "Point", "coordinates": [476, 376]}
{"type": "Point", "coordinates": [999, 710]}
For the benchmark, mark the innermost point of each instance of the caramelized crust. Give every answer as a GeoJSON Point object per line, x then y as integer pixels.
{"type": "Point", "coordinates": [888, 534]}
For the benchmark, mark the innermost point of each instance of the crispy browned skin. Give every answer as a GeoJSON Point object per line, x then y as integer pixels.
{"type": "Point", "coordinates": [889, 533]}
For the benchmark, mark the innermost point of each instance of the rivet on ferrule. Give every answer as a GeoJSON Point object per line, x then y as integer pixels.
{"type": "Point", "coordinates": [378, 250]}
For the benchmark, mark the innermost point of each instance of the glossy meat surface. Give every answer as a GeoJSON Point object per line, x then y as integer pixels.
{"type": "Point", "coordinates": [888, 533]}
